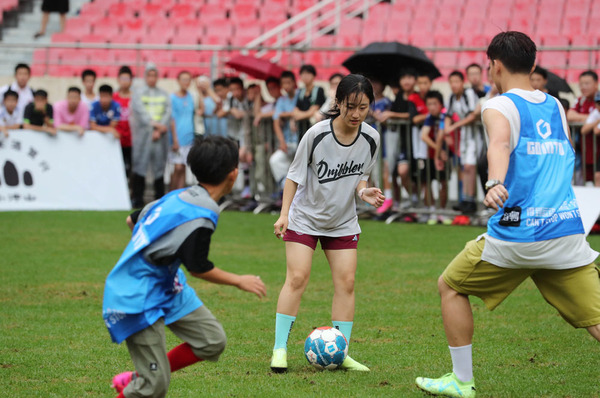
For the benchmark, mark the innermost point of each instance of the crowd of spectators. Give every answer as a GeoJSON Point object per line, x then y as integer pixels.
{"type": "Point", "coordinates": [426, 137]}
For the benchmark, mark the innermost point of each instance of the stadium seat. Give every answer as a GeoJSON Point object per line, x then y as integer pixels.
{"type": "Point", "coordinates": [583, 59]}
{"type": "Point", "coordinates": [63, 38]}
{"type": "Point", "coordinates": [106, 27]}
{"type": "Point", "coordinates": [152, 11]}
{"type": "Point", "coordinates": [471, 57]}
{"type": "Point", "coordinates": [573, 26]}
{"type": "Point", "coordinates": [77, 27]}
{"type": "Point", "coordinates": [422, 40]}
{"type": "Point", "coordinates": [183, 11]}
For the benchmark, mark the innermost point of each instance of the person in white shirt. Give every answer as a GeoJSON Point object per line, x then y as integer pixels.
{"type": "Point", "coordinates": [21, 87]}
{"type": "Point", "coordinates": [88, 96]}
{"type": "Point", "coordinates": [10, 117]}
{"type": "Point", "coordinates": [332, 165]}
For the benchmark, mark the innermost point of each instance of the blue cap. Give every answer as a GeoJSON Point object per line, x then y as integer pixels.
{"type": "Point", "coordinates": [597, 97]}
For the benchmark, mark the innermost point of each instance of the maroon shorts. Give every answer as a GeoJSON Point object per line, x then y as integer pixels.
{"type": "Point", "coordinates": [327, 242]}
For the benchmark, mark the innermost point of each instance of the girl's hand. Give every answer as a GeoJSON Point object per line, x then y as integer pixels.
{"type": "Point", "coordinates": [372, 196]}
{"type": "Point", "coordinates": [281, 226]}
{"type": "Point", "coordinates": [252, 284]}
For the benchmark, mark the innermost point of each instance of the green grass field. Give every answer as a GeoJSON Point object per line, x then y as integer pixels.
{"type": "Point", "coordinates": [53, 342]}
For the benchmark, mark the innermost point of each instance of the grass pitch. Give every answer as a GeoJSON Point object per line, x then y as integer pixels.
{"type": "Point", "coordinates": [53, 342]}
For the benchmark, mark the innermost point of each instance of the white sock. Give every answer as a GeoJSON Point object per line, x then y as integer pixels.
{"type": "Point", "coordinates": [462, 362]}
{"type": "Point", "coordinates": [387, 193]}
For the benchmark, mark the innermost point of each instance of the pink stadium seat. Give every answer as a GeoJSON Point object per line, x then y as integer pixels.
{"type": "Point", "coordinates": [183, 11]}
{"type": "Point", "coordinates": [469, 57]}
{"type": "Point", "coordinates": [442, 40]}
{"type": "Point", "coordinates": [63, 38]}
{"type": "Point", "coordinates": [121, 10]}
{"type": "Point", "coordinates": [96, 9]}
{"type": "Point", "coordinates": [93, 38]}
{"type": "Point", "coordinates": [548, 26]}
{"type": "Point", "coordinates": [421, 41]}
{"type": "Point", "coordinates": [163, 28]}
{"type": "Point", "coordinates": [422, 26]}
{"type": "Point", "coordinates": [153, 11]}
{"type": "Point", "coordinates": [583, 59]}
{"type": "Point", "coordinates": [77, 27]}
{"type": "Point", "coordinates": [476, 41]}
{"type": "Point", "coordinates": [243, 12]}
{"type": "Point", "coordinates": [212, 11]}
{"type": "Point", "coordinates": [127, 56]}
{"type": "Point", "coordinates": [525, 25]}
{"type": "Point", "coordinates": [574, 26]}
{"type": "Point", "coordinates": [106, 27]}
{"type": "Point", "coordinates": [445, 27]}
{"type": "Point", "coordinates": [183, 39]}
{"type": "Point", "coordinates": [573, 74]}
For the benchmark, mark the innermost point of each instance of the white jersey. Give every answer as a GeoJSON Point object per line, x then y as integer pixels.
{"type": "Point", "coordinates": [327, 173]}
{"type": "Point", "coordinates": [561, 253]}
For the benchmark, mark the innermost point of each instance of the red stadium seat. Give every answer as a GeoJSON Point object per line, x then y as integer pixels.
{"type": "Point", "coordinates": [183, 11]}
{"type": "Point", "coordinates": [471, 57]}
{"type": "Point", "coordinates": [212, 11]}
{"type": "Point", "coordinates": [446, 59]}
{"type": "Point", "coordinates": [574, 26]}
{"type": "Point", "coordinates": [64, 38]}
{"type": "Point", "coordinates": [106, 27]}
{"type": "Point", "coordinates": [583, 59]}
{"type": "Point", "coordinates": [77, 27]}
{"type": "Point", "coordinates": [422, 40]}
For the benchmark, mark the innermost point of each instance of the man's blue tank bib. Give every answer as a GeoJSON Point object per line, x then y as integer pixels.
{"type": "Point", "coordinates": [541, 203]}
{"type": "Point", "coordinates": [137, 293]}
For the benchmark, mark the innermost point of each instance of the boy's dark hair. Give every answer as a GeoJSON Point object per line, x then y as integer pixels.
{"type": "Point", "coordinates": [351, 87]}
{"type": "Point", "coordinates": [74, 89]}
{"type": "Point", "coordinates": [88, 72]}
{"type": "Point", "coordinates": [515, 50]}
{"type": "Point", "coordinates": [424, 74]}
{"type": "Point", "coordinates": [183, 72]}
{"type": "Point", "coordinates": [434, 94]}
{"type": "Point", "coordinates": [309, 69]}
{"type": "Point", "coordinates": [540, 71]}
{"type": "Point", "coordinates": [41, 93]}
{"type": "Point", "coordinates": [125, 70]}
{"type": "Point", "coordinates": [591, 73]}
{"type": "Point", "coordinates": [337, 74]}
{"type": "Point", "coordinates": [212, 158]}
{"type": "Point", "coordinates": [105, 88]}
{"type": "Point", "coordinates": [458, 74]}
{"type": "Point", "coordinates": [11, 93]}
{"type": "Point", "coordinates": [272, 80]}
{"type": "Point", "coordinates": [287, 74]}
{"type": "Point", "coordinates": [474, 65]}
{"type": "Point", "coordinates": [22, 66]}
{"type": "Point", "coordinates": [252, 85]}
{"type": "Point", "coordinates": [407, 72]}
{"type": "Point", "coordinates": [221, 82]}
{"type": "Point", "coordinates": [236, 80]}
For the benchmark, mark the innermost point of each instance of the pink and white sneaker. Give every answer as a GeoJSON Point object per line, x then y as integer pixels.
{"type": "Point", "coordinates": [387, 204]}
{"type": "Point", "coordinates": [120, 381]}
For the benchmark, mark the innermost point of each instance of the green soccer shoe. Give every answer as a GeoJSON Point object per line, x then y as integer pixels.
{"type": "Point", "coordinates": [447, 386]}
{"type": "Point", "coordinates": [279, 360]}
{"type": "Point", "coordinates": [351, 364]}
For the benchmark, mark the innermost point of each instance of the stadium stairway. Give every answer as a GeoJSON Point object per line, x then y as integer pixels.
{"type": "Point", "coordinates": [28, 25]}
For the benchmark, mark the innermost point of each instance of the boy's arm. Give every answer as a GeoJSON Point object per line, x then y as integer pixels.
{"type": "Point", "coordinates": [426, 138]}
{"type": "Point", "coordinates": [193, 252]}
{"type": "Point", "coordinates": [574, 116]}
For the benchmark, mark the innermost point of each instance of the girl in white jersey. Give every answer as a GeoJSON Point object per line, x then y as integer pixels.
{"type": "Point", "coordinates": [331, 166]}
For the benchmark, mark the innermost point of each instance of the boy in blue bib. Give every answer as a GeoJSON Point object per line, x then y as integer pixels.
{"type": "Point", "coordinates": [147, 290]}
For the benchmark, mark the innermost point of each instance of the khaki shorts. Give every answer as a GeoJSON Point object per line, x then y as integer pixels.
{"type": "Point", "coordinates": [148, 350]}
{"type": "Point", "coordinates": [574, 292]}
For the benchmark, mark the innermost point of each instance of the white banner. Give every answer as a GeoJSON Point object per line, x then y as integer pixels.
{"type": "Point", "coordinates": [588, 199]}
{"type": "Point", "coordinates": [65, 172]}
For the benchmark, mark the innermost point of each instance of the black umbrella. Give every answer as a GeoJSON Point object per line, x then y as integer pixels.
{"type": "Point", "coordinates": [385, 60]}
{"type": "Point", "coordinates": [556, 84]}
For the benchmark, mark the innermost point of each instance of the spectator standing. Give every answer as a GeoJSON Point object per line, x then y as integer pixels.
{"type": "Point", "coordinates": [209, 105]}
{"type": "Point", "coordinates": [309, 100]}
{"type": "Point", "coordinates": [264, 125]}
{"type": "Point", "coordinates": [72, 114]}
{"type": "Point", "coordinates": [382, 104]}
{"type": "Point", "coordinates": [59, 6]}
{"type": "Point", "coordinates": [105, 113]}
{"type": "Point", "coordinates": [399, 139]}
{"type": "Point", "coordinates": [221, 87]}
{"type": "Point", "coordinates": [88, 79]}
{"type": "Point", "coordinates": [475, 78]}
{"type": "Point", "coordinates": [38, 115]}
{"type": "Point", "coordinates": [592, 125]}
{"type": "Point", "coordinates": [238, 110]}
{"type": "Point", "coordinates": [285, 130]}
{"type": "Point", "coordinates": [539, 80]}
{"type": "Point", "coordinates": [463, 104]}
{"type": "Point", "coordinates": [588, 85]}
{"type": "Point", "coordinates": [123, 98]}
{"type": "Point", "coordinates": [10, 118]}
{"type": "Point", "coordinates": [334, 80]}
{"type": "Point", "coordinates": [150, 118]}
{"type": "Point", "coordinates": [182, 129]}
{"type": "Point", "coordinates": [432, 133]}
{"type": "Point", "coordinates": [21, 87]}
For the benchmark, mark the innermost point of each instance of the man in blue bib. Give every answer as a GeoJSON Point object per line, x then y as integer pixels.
{"type": "Point", "coordinates": [537, 231]}
{"type": "Point", "coordinates": [147, 290]}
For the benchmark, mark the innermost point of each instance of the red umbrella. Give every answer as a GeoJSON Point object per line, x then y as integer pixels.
{"type": "Point", "coordinates": [256, 67]}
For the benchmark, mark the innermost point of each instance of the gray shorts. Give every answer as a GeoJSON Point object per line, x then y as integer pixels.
{"type": "Point", "coordinates": [148, 350]}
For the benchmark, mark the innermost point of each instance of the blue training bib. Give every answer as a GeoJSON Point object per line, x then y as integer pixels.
{"type": "Point", "coordinates": [541, 204]}
{"type": "Point", "coordinates": [137, 293]}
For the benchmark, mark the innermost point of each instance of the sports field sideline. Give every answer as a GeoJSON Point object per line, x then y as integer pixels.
{"type": "Point", "coordinates": [53, 342]}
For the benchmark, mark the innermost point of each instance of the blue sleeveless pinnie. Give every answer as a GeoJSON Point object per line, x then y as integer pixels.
{"type": "Point", "coordinates": [541, 203]}
{"type": "Point", "coordinates": [137, 293]}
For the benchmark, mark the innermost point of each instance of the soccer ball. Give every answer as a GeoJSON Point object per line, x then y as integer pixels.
{"type": "Point", "coordinates": [326, 348]}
